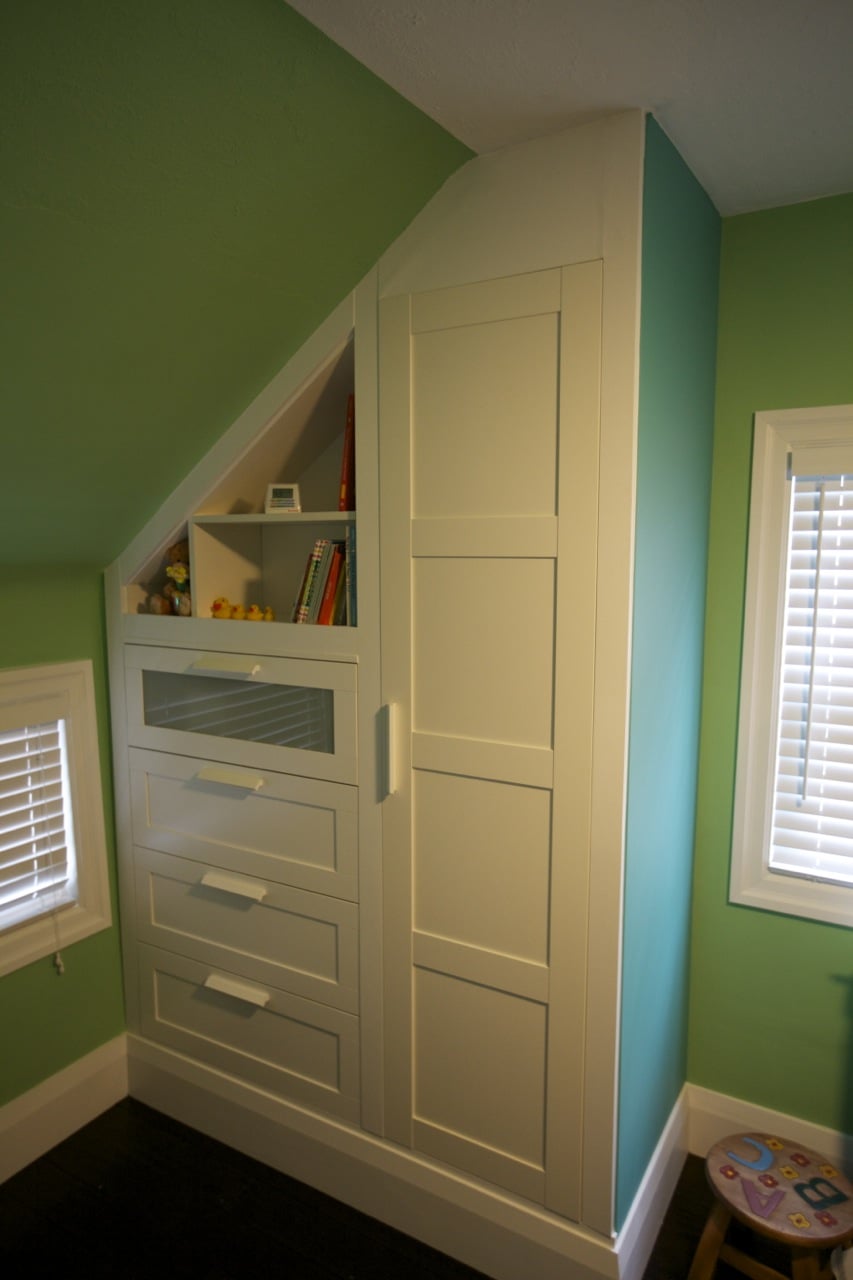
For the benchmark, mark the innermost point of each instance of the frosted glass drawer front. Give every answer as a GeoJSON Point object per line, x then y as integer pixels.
{"type": "Point", "coordinates": [302, 942]}
{"type": "Point", "coordinates": [297, 831]}
{"type": "Point", "coordinates": [253, 1031]}
{"type": "Point", "coordinates": [283, 713]}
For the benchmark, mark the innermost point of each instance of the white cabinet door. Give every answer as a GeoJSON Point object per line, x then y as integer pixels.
{"type": "Point", "coordinates": [489, 469]}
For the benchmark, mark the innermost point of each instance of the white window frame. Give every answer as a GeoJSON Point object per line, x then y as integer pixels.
{"type": "Point", "coordinates": [753, 882]}
{"type": "Point", "coordinates": [35, 695]}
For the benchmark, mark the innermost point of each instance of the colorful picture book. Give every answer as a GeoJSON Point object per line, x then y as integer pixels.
{"type": "Point", "coordinates": [323, 595]}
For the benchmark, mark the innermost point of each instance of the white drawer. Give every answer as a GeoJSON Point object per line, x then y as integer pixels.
{"type": "Point", "coordinates": [254, 1031]}
{"type": "Point", "coordinates": [302, 942]}
{"type": "Point", "coordinates": [294, 830]}
{"type": "Point", "coordinates": [290, 714]}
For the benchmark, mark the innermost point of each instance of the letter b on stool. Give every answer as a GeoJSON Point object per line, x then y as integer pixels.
{"type": "Point", "coordinates": [819, 1193]}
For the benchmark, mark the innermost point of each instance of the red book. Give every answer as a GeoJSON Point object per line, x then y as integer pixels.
{"type": "Point", "coordinates": [327, 604]}
{"type": "Point", "coordinates": [346, 497]}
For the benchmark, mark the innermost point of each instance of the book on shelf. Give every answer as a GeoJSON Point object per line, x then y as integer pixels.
{"type": "Point", "coordinates": [346, 496]}
{"type": "Point", "coordinates": [350, 571]}
{"type": "Point", "coordinates": [339, 612]}
{"type": "Point", "coordinates": [325, 616]}
{"type": "Point", "coordinates": [302, 604]}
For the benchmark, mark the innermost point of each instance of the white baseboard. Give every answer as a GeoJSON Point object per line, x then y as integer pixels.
{"type": "Point", "coordinates": [642, 1224]}
{"type": "Point", "coordinates": [714, 1116]}
{"type": "Point", "coordinates": [45, 1115]}
{"type": "Point", "coordinates": [498, 1234]}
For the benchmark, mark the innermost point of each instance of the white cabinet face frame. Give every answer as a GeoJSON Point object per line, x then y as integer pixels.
{"type": "Point", "coordinates": [245, 709]}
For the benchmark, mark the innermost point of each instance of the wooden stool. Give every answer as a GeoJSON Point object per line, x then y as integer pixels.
{"type": "Point", "coordinates": [780, 1190]}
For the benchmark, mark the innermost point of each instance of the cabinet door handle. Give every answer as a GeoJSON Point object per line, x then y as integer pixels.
{"type": "Point", "coordinates": [229, 663]}
{"type": "Point", "coordinates": [231, 884]}
{"type": "Point", "coordinates": [239, 990]}
{"type": "Point", "coordinates": [388, 714]}
{"type": "Point", "coordinates": [230, 777]}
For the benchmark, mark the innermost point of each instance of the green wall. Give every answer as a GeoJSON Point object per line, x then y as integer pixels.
{"type": "Point", "coordinates": [771, 1002]}
{"type": "Point", "coordinates": [48, 1021]}
{"type": "Point", "coordinates": [189, 188]}
{"type": "Point", "coordinates": [681, 232]}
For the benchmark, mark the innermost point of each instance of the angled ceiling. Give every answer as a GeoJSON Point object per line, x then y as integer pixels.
{"type": "Point", "coordinates": [757, 95]}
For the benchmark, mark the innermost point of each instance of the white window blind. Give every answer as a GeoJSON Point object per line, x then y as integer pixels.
{"type": "Point", "coordinates": [812, 830]}
{"type": "Point", "coordinates": [36, 841]}
{"type": "Point", "coordinates": [54, 882]}
{"type": "Point", "coordinates": [37, 865]}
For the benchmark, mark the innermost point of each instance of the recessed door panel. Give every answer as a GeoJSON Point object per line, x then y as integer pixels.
{"type": "Point", "coordinates": [485, 419]}
{"type": "Point", "coordinates": [472, 839]}
{"type": "Point", "coordinates": [480, 1064]}
{"type": "Point", "coordinates": [483, 660]}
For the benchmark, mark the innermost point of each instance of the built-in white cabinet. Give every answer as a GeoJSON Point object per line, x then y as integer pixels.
{"type": "Point", "coordinates": [371, 874]}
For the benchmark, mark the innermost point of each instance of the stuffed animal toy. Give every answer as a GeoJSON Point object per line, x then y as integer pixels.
{"type": "Point", "coordinates": [174, 595]}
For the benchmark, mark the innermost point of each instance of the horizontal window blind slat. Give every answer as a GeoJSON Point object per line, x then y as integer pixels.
{"type": "Point", "coordinates": [41, 827]}
{"type": "Point", "coordinates": [39, 888]}
{"type": "Point", "coordinates": [819, 865]}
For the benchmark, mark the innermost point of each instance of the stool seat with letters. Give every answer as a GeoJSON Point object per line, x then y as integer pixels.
{"type": "Point", "coordinates": [779, 1189]}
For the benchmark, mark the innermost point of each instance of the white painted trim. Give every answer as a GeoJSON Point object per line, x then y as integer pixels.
{"type": "Point", "coordinates": [714, 1116]}
{"type": "Point", "coordinates": [777, 434]}
{"type": "Point", "coordinates": [50, 1112]}
{"type": "Point", "coordinates": [636, 1240]}
{"type": "Point", "coordinates": [53, 692]}
{"type": "Point", "coordinates": [497, 1233]}
{"type": "Point", "coordinates": [622, 211]}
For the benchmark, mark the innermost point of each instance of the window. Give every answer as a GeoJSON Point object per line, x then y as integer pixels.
{"type": "Point", "coordinates": [792, 845]}
{"type": "Point", "coordinates": [54, 886]}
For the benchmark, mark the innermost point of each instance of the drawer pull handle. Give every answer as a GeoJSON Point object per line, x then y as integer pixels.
{"type": "Point", "coordinates": [239, 990]}
{"type": "Point", "coordinates": [232, 663]}
{"type": "Point", "coordinates": [230, 777]}
{"type": "Point", "coordinates": [230, 884]}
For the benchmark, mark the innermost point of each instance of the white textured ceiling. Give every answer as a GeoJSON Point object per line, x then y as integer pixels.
{"type": "Point", "coordinates": [757, 95]}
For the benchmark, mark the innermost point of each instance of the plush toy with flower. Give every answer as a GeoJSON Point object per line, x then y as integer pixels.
{"type": "Point", "coordinates": [174, 596]}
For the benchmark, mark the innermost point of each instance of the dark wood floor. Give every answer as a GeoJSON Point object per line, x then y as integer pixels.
{"type": "Point", "coordinates": [135, 1194]}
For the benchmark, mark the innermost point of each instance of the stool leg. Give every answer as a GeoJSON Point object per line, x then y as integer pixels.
{"type": "Point", "coordinates": [805, 1264]}
{"type": "Point", "coordinates": [710, 1243]}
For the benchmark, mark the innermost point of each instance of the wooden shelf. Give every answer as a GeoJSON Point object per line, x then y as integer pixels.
{"type": "Point", "coordinates": [279, 517]}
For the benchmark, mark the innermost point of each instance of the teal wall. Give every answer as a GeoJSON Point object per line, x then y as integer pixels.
{"type": "Point", "coordinates": [771, 1000]}
{"type": "Point", "coordinates": [680, 261]}
{"type": "Point", "coordinates": [189, 188]}
{"type": "Point", "coordinates": [49, 1021]}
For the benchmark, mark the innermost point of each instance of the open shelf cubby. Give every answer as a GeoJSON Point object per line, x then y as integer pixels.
{"type": "Point", "coordinates": [236, 550]}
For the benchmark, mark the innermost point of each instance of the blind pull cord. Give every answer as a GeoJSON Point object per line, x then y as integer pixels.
{"type": "Point", "coordinates": [812, 658]}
